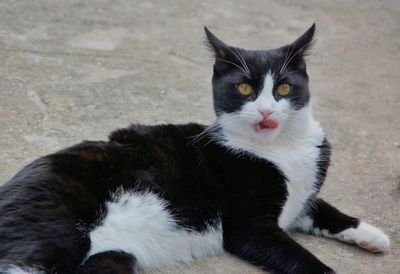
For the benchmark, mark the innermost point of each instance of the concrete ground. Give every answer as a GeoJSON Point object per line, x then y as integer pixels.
{"type": "Point", "coordinates": [74, 70]}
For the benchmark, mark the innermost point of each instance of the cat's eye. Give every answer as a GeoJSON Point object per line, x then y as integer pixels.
{"type": "Point", "coordinates": [245, 89]}
{"type": "Point", "coordinates": [283, 90]}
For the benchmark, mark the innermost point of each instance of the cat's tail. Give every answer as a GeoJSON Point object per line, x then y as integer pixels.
{"type": "Point", "coordinates": [9, 268]}
{"type": "Point", "coordinates": [104, 262]}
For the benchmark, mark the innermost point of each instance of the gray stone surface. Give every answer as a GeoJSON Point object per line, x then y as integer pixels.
{"type": "Point", "coordinates": [73, 70]}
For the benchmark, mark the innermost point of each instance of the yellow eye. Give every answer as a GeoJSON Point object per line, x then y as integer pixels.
{"type": "Point", "coordinates": [283, 90]}
{"type": "Point", "coordinates": [245, 89]}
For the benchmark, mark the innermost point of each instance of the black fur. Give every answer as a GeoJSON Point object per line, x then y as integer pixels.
{"type": "Point", "coordinates": [109, 262]}
{"type": "Point", "coordinates": [48, 208]}
{"type": "Point", "coordinates": [327, 217]}
{"type": "Point", "coordinates": [42, 204]}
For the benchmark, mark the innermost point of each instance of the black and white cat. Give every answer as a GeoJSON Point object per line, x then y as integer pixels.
{"type": "Point", "coordinates": [156, 196]}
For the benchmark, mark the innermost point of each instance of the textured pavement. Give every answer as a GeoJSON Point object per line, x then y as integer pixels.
{"type": "Point", "coordinates": [74, 70]}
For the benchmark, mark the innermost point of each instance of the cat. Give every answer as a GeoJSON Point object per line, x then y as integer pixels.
{"type": "Point", "coordinates": [155, 196]}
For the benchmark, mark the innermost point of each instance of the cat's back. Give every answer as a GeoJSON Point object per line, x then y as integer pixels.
{"type": "Point", "coordinates": [92, 166]}
{"type": "Point", "coordinates": [140, 174]}
{"type": "Point", "coordinates": [138, 133]}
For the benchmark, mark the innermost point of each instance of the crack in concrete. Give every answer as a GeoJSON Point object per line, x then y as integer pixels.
{"type": "Point", "coordinates": [38, 100]}
{"type": "Point", "coordinates": [74, 54]}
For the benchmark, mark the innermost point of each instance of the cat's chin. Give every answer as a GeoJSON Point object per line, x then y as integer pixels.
{"type": "Point", "coordinates": [266, 135]}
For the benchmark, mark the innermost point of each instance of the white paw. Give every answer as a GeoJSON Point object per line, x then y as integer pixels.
{"type": "Point", "coordinates": [366, 236]}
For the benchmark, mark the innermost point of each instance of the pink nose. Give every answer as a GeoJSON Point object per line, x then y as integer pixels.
{"type": "Point", "coordinates": [265, 112]}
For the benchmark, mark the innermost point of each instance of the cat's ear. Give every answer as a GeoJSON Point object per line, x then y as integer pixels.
{"type": "Point", "coordinates": [303, 44]}
{"type": "Point", "coordinates": [219, 48]}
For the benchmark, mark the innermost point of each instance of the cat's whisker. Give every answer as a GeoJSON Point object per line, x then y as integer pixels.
{"type": "Point", "coordinates": [297, 52]}
{"type": "Point", "coordinates": [243, 60]}
{"type": "Point", "coordinates": [239, 59]}
{"type": "Point", "coordinates": [244, 68]}
{"type": "Point", "coordinates": [286, 58]}
{"type": "Point", "coordinates": [212, 130]}
{"type": "Point", "coordinates": [204, 133]}
{"type": "Point", "coordinates": [236, 65]}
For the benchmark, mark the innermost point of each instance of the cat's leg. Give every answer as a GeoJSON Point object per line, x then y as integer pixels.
{"type": "Point", "coordinates": [271, 249]}
{"type": "Point", "coordinates": [109, 262]}
{"type": "Point", "coordinates": [325, 220]}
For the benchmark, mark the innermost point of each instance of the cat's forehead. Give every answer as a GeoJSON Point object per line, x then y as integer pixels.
{"type": "Point", "coordinates": [265, 61]}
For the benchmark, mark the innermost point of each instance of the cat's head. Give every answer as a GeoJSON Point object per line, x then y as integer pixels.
{"type": "Point", "coordinates": [257, 92]}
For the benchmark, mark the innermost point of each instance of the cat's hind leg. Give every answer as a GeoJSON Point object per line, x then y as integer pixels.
{"type": "Point", "coordinates": [325, 220]}
{"type": "Point", "coordinates": [109, 262]}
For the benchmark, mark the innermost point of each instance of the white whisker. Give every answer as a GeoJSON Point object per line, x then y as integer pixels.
{"type": "Point", "coordinates": [239, 67]}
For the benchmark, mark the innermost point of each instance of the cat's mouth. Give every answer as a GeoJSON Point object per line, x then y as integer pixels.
{"type": "Point", "coordinates": [266, 125]}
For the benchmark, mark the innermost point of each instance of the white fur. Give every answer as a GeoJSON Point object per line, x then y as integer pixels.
{"type": "Point", "coordinates": [292, 147]}
{"type": "Point", "coordinates": [140, 224]}
{"type": "Point", "coordinates": [365, 236]}
{"type": "Point", "coordinates": [304, 224]}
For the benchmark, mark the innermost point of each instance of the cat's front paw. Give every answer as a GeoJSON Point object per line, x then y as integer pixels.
{"type": "Point", "coordinates": [367, 237]}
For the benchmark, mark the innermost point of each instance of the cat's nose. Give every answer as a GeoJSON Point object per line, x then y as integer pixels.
{"type": "Point", "coordinates": [265, 112]}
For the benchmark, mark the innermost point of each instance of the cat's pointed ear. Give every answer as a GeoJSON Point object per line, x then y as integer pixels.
{"type": "Point", "coordinates": [219, 48]}
{"type": "Point", "coordinates": [303, 44]}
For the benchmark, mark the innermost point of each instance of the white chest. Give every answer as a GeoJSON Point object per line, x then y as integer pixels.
{"type": "Point", "coordinates": [300, 169]}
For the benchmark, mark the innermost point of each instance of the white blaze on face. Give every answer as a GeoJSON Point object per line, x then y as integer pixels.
{"type": "Point", "coordinates": [266, 98]}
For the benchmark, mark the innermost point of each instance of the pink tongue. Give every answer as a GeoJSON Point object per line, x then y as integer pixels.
{"type": "Point", "coordinates": [269, 123]}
